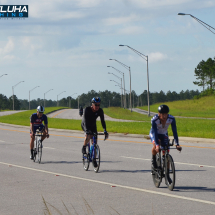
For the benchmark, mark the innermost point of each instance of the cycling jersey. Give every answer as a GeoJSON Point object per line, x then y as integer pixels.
{"type": "Point", "coordinates": [158, 131]}
{"type": "Point", "coordinates": [38, 121]}
{"type": "Point", "coordinates": [89, 119]}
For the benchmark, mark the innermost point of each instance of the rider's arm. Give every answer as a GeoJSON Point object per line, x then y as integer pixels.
{"type": "Point", "coordinates": [103, 120]}
{"type": "Point", "coordinates": [46, 124]}
{"type": "Point", "coordinates": [32, 123]}
{"type": "Point", "coordinates": [154, 132]}
{"type": "Point", "coordinates": [87, 119]}
{"type": "Point", "coordinates": [174, 131]}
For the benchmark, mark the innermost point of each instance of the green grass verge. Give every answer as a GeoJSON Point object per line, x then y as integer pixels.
{"type": "Point", "coordinates": [23, 118]}
{"type": "Point", "coordinates": [186, 127]}
{"type": "Point", "coordinates": [203, 107]}
{"type": "Point", "coordinates": [121, 113]}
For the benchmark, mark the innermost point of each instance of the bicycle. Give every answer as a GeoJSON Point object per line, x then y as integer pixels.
{"type": "Point", "coordinates": [38, 146]}
{"type": "Point", "coordinates": [92, 153]}
{"type": "Point", "coordinates": [165, 168]}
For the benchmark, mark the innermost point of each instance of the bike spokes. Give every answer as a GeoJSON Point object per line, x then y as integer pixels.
{"type": "Point", "coordinates": [170, 172]}
{"type": "Point", "coordinates": [97, 158]}
{"type": "Point", "coordinates": [86, 159]}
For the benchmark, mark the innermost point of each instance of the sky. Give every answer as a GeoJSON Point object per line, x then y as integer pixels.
{"type": "Point", "coordinates": [66, 46]}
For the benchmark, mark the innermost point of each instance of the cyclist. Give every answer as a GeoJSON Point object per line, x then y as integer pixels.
{"type": "Point", "coordinates": [88, 123]}
{"type": "Point", "coordinates": [159, 134]}
{"type": "Point", "coordinates": [81, 111]}
{"type": "Point", "coordinates": [36, 123]}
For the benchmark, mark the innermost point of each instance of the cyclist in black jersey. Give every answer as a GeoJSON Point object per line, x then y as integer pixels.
{"type": "Point", "coordinates": [88, 123]}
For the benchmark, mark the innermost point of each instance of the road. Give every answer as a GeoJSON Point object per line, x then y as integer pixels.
{"type": "Point", "coordinates": [122, 186]}
{"type": "Point", "coordinates": [4, 113]}
{"type": "Point", "coordinates": [74, 114]}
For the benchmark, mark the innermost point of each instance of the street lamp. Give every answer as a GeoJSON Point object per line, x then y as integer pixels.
{"type": "Point", "coordinates": [57, 97]}
{"type": "Point", "coordinates": [127, 67]}
{"type": "Point", "coordinates": [44, 96]}
{"type": "Point", "coordinates": [199, 21]}
{"type": "Point", "coordinates": [29, 96]}
{"type": "Point", "coordinates": [122, 73]}
{"type": "Point", "coordinates": [121, 84]}
{"type": "Point", "coordinates": [147, 60]}
{"type": "Point", "coordinates": [70, 99]}
{"type": "Point", "coordinates": [13, 91]}
{"type": "Point", "coordinates": [2, 75]}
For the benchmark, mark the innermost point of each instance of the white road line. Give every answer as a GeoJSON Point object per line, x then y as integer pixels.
{"type": "Point", "coordinates": [48, 147]}
{"type": "Point", "coordinates": [117, 185]}
{"type": "Point", "coordinates": [190, 164]}
{"type": "Point", "coordinates": [2, 141]}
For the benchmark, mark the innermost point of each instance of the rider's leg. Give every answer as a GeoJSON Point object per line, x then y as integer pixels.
{"type": "Point", "coordinates": [86, 141]}
{"type": "Point", "coordinates": [31, 145]}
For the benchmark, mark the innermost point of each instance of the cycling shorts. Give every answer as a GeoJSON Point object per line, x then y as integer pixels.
{"type": "Point", "coordinates": [164, 139]}
{"type": "Point", "coordinates": [39, 127]}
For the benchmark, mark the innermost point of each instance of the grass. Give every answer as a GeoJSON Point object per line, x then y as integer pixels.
{"type": "Point", "coordinates": [23, 118]}
{"type": "Point", "coordinates": [203, 107]}
{"type": "Point", "coordinates": [186, 127]}
{"type": "Point", "coordinates": [120, 113]}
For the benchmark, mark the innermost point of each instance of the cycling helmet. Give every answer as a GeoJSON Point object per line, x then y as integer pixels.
{"type": "Point", "coordinates": [96, 100]}
{"type": "Point", "coordinates": [40, 109]}
{"type": "Point", "coordinates": [163, 109]}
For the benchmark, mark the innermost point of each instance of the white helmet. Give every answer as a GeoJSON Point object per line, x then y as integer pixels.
{"type": "Point", "coordinates": [40, 109]}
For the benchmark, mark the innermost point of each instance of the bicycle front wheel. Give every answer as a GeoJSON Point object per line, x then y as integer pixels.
{"type": "Point", "coordinates": [170, 172]}
{"type": "Point", "coordinates": [157, 173]}
{"type": "Point", "coordinates": [97, 157]}
{"type": "Point", "coordinates": [35, 150]}
{"type": "Point", "coordinates": [86, 159]}
{"type": "Point", "coordinates": [39, 151]}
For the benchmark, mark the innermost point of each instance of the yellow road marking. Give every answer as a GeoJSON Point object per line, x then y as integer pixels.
{"type": "Point", "coordinates": [58, 113]}
{"type": "Point", "coordinates": [190, 164]}
{"type": "Point", "coordinates": [111, 184]}
{"type": "Point", "coordinates": [125, 141]}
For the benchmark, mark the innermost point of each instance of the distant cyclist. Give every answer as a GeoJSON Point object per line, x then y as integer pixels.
{"type": "Point", "coordinates": [80, 111]}
{"type": "Point", "coordinates": [36, 123]}
{"type": "Point", "coordinates": [88, 124]}
{"type": "Point", "coordinates": [159, 134]}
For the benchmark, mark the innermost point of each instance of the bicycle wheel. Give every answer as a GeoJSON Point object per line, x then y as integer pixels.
{"type": "Point", "coordinates": [39, 151]}
{"type": "Point", "coordinates": [169, 172]}
{"type": "Point", "coordinates": [157, 173]}
{"type": "Point", "coordinates": [97, 157]}
{"type": "Point", "coordinates": [86, 159]}
{"type": "Point", "coordinates": [35, 150]}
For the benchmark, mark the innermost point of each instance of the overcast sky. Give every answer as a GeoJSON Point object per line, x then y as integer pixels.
{"type": "Point", "coordinates": [66, 45]}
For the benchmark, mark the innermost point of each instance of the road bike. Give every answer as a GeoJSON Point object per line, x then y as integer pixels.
{"type": "Point", "coordinates": [165, 168]}
{"type": "Point", "coordinates": [38, 146]}
{"type": "Point", "coordinates": [92, 153]}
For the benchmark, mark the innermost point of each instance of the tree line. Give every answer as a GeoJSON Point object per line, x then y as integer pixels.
{"type": "Point", "coordinates": [108, 98]}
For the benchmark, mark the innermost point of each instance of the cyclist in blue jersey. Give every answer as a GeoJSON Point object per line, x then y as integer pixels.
{"type": "Point", "coordinates": [159, 134]}
{"type": "Point", "coordinates": [36, 123]}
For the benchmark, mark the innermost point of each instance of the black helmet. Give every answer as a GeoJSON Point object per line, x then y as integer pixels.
{"type": "Point", "coordinates": [163, 109]}
{"type": "Point", "coordinates": [96, 100]}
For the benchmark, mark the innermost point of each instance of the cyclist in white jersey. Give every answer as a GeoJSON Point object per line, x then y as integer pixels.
{"type": "Point", "coordinates": [159, 134]}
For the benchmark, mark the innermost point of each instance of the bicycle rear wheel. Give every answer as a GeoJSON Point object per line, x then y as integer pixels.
{"type": "Point", "coordinates": [169, 172]}
{"type": "Point", "coordinates": [157, 173]}
{"type": "Point", "coordinates": [97, 157]}
{"type": "Point", "coordinates": [39, 151]}
{"type": "Point", "coordinates": [86, 159]}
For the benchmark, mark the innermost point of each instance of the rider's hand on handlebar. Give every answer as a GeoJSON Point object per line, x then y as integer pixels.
{"type": "Point", "coordinates": [157, 148]}
{"type": "Point", "coordinates": [32, 135]}
{"type": "Point", "coordinates": [179, 148]}
{"type": "Point", "coordinates": [47, 135]}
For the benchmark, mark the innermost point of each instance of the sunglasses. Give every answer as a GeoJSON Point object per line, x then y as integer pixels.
{"type": "Point", "coordinates": [97, 105]}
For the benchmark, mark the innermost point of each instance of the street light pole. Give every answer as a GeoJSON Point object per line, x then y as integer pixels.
{"type": "Point", "coordinates": [70, 99]}
{"type": "Point", "coordinates": [44, 96]}
{"type": "Point", "coordinates": [199, 21]}
{"type": "Point", "coordinates": [29, 96]}
{"type": "Point", "coordinates": [145, 58]}
{"type": "Point", "coordinates": [121, 85]}
{"type": "Point", "coordinates": [127, 67]}
{"type": "Point", "coordinates": [13, 91]}
{"type": "Point", "coordinates": [57, 97]}
{"type": "Point", "coordinates": [122, 73]}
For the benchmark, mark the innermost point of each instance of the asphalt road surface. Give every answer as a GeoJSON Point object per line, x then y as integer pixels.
{"type": "Point", "coordinates": [122, 186]}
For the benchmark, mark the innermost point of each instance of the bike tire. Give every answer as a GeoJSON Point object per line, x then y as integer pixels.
{"type": "Point", "coordinates": [39, 151]}
{"type": "Point", "coordinates": [97, 157]}
{"type": "Point", "coordinates": [86, 159]}
{"type": "Point", "coordinates": [157, 174]}
{"type": "Point", "coordinates": [35, 150]}
{"type": "Point", "coordinates": [170, 172]}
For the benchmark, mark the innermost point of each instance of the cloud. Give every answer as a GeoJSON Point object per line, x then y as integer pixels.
{"type": "Point", "coordinates": [157, 56]}
{"type": "Point", "coordinates": [8, 47]}
{"type": "Point", "coordinates": [131, 30]}
{"type": "Point", "coordinates": [121, 20]}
